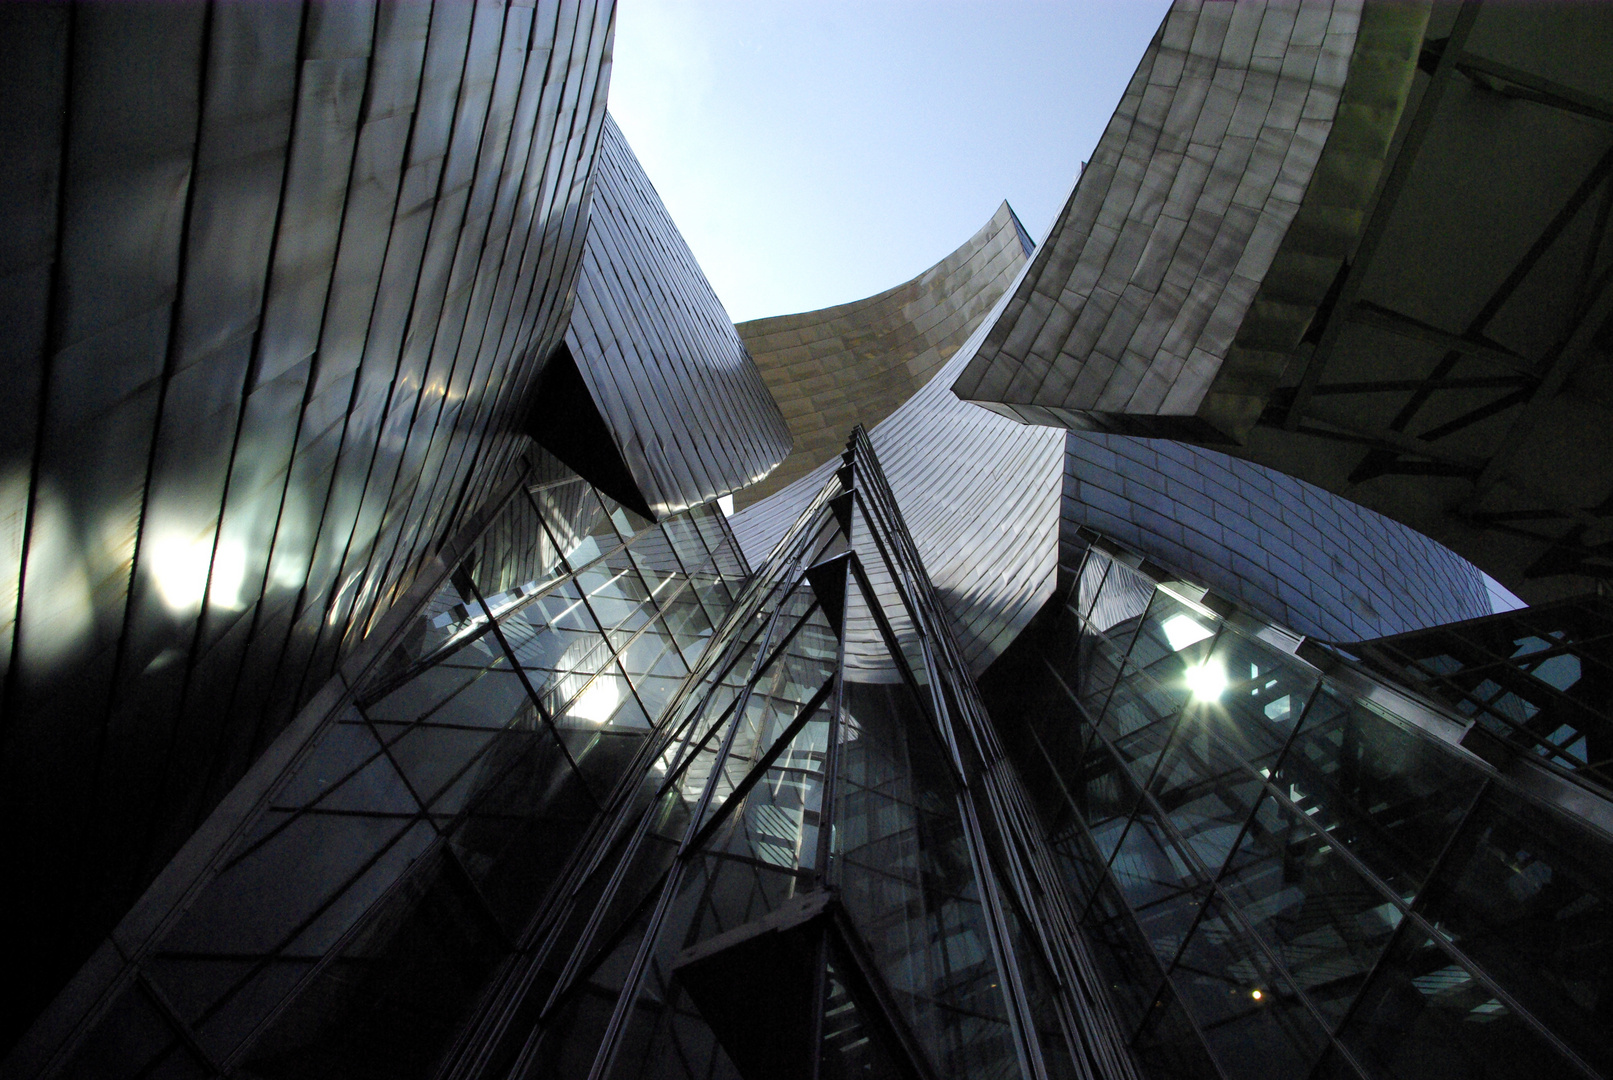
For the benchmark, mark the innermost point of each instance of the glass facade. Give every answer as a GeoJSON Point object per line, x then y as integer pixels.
{"type": "Point", "coordinates": [393, 866]}
{"type": "Point", "coordinates": [1539, 679]}
{"type": "Point", "coordinates": [1285, 868]}
{"type": "Point", "coordinates": [827, 869]}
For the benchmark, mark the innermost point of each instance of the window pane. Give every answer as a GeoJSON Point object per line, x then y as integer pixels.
{"type": "Point", "coordinates": [1391, 797]}
{"type": "Point", "coordinates": [1425, 1018]}
{"type": "Point", "coordinates": [1530, 900]}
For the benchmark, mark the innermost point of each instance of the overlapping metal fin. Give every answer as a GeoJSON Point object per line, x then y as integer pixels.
{"type": "Point", "coordinates": [857, 363]}
{"type": "Point", "coordinates": [688, 416]}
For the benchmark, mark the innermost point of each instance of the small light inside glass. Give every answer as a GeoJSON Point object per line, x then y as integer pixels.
{"type": "Point", "coordinates": [1256, 994]}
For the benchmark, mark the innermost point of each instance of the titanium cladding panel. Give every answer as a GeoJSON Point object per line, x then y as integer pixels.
{"type": "Point", "coordinates": [276, 278]}
{"type": "Point", "coordinates": [980, 493]}
{"type": "Point", "coordinates": [685, 407]}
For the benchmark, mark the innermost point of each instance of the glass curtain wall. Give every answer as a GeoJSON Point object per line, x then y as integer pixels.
{"type": "Point", "coordinates": [1540, 679]}
{"type": "Point", "coordinates": [1281, 874]}
{"type": "Point", "coordinates": [827, 869]}
{"type": "Point", "coordinates": [393, 869]}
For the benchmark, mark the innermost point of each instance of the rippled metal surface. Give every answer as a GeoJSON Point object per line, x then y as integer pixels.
{"type": "Point", "coordinates": [856, 363]}
{"type": "Point", "coordinates": [685, 407]}
{"type": "Point", "coordinates": [276, 277]}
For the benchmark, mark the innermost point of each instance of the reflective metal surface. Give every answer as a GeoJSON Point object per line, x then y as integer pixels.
{"type": "Point", "coordinates": [687, 412]}
{"type": "Point", "coordinates": [356, 894]}
{"type": "Point", "coordinates": [277, 278]}
{"type": "Point", "coordinates": [820, 875]}
{"type": "Point", "coordinates": [857, 363]}
{"type": "Point", "coordinates": [1307, 558]}
{"type": "Point", "coordinates": [1365, 244]}
{"type": "Point", "coordinates": [980, 493]}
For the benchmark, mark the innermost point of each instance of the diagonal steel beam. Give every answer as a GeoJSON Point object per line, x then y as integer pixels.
{"type": "Point", "coordinates": [1422, 122]}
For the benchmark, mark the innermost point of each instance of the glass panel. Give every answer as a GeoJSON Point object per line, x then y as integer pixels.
{"type": "Point", "coordinates": [1105, 796]}
{"type": "Point", "coordinates": [618, 597]}
{"type": "Point", "coordinates": [558, 645]}
{"type": "Point", "coordinates": [1138, 723]}
{"type": "Point", "coordinates": [1205, 790]}
{"type": "Point", "coordinates": [1423, 1017]}
{"type": "Point", "coordinates": [395, 993]}
{"type": "Point", "coordinates": [807, 649]}
{"type": "Point", "coordinates": [1125, 958]}
{"type": "Point", "coordinates": [430, 687]}
{"type": "Point", "coordinates": [1168, 1045]}
{"type": "Point", "coordinates": [906, 879]}
{"type": "Point", "coordinates": [1529, 898]}
{"type": "Point", "coordinates": [1125, 594]}
{"type": "Point", "coordinates": [1264, 697]}
{"type": "Point", "coordinates": [655, 667]}
{"type": "Point", "coordinates": [514, 556]}
{"type": "Point", "coordinates": [1096, 668]}
{"type": "Point", "coordinates": [572, 513]}
{"type": "Point", "coordinates": [1254, 1022]}
{"type": "Point", "coordinates": [686, 542]}
{"type": "Point", "coordinates": [1320, 918]}
{"type": "Point", "coordinates": [531, 811]}
{"type": "Point", "coordinates": [1391, 797]}
{"type": "Point", "coordinates": [1148, 867]}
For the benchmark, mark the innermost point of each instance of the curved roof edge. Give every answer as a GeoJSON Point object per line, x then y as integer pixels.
{"type": "Point", "coordinates": [856, 363]}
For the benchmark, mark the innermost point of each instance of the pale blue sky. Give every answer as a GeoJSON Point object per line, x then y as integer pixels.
{"type": "Point", "coordinates": [815, 153]}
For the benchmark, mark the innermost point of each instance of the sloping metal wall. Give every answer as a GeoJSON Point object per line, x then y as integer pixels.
{"type": "Point", "coordinates": [685, 406]}
{"type": "Point", "coordinates": [1132, 303]}
{"type": "Point", "coordinates": [276, 277]}
{"type": "Point", "coordinates": [1365, 243]}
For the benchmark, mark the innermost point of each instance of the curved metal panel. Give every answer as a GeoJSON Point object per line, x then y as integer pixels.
{"type": "Point", "coordinates": [1415, 317]}
{"type": "Point", "coordinates": [1133, 300]}
{"type": "Point", "coordinates": [689, 415]}
{"type": "Point", "coordinates": [284, 274]}
{"type": "Point", "coordinates": [855, 363]}
{"type": "Point", "coordinates": [1309, 559]}
{"type": "Point", "coordinates": [980, 495]}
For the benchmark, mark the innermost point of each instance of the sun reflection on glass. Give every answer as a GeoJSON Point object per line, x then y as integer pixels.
{"type": "Point", "coordinates": [1206, 681]}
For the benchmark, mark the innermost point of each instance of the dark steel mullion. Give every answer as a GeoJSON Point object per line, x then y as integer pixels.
{"type": "Point", "coordinates": [682, 764]}
{"type": "Point", "coordinates": [1144, 786]}
{"type": "Point", "coordinates": [1101, 865]}
{"type": "Point", "coordinates": [1455, 950]}
{"type": "Point", "coordinates": [1021, 1021]}
{"type": "Point", "coordinates": [737, 718]}
{"type": "Point", "coordinates": [616, 652]}
{"type": "Point", "coordinates": [184, 1035]}
{"type": "Point", "coordinates": [669, 878]}
{"type": "Point", "coordinates": [291, 935]}
{"type": "Point", "coordinates": [759, 770]}
{"type": "Point", "coordinates": [532, 696]}
{"type": "Point", "coordinates": [632, 981]}
{"type": "Point", "coordinates": [831, 753]}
